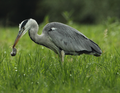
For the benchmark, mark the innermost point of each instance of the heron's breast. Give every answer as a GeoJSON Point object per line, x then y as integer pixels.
{"type": "Point", "coordinates": [49, 44]}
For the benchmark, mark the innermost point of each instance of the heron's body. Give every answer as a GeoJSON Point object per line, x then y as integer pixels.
{"type": "Point", "coordinates": [61, 38]}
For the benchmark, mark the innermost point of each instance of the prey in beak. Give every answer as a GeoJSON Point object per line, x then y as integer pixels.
{"type": "Point", "coordinates": [14, 50]}
{"type": "Point", "coordinates": [23, 29]}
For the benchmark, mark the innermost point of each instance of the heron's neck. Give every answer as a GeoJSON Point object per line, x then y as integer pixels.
{"type": "Point", "coordinates": [34, 36]}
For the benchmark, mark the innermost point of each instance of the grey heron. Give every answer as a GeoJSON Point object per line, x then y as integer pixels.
{"type": "Point", "coordinates": [59, 37]}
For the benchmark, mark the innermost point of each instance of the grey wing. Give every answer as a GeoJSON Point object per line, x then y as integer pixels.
{"type": "Point", "coordinates": [70, 40]}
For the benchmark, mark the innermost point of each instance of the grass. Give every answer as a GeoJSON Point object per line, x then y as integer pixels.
{"type": "Point", "coordinates": [36, 69]}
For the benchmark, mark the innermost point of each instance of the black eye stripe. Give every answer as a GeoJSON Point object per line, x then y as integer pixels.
{"type": "Point", "coordinates": [24, 23]}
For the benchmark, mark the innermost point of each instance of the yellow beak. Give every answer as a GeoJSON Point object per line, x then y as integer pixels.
{"type": "Point", "coordinates": [17, 38]}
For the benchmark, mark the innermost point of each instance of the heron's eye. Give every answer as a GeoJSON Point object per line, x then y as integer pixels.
{"type": "Point", "coordinates": [23, 28]}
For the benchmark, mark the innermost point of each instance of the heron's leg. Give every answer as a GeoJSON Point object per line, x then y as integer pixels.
{"type": "Point", "coordinates": [62, 55]}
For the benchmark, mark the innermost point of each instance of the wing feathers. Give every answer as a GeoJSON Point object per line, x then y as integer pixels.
{"type": "Point", "coordinates": [70, 40]}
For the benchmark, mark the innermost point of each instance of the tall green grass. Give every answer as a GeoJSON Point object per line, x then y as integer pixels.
{"type": "Point", "coordinates": [36, 69]}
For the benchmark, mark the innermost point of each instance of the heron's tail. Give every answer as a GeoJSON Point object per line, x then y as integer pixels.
{"type": "Point", "coordinates": [96, 51]}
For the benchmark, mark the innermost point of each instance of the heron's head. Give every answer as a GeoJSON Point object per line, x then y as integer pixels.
{"type": "Point", "coordinates": [23, 28]}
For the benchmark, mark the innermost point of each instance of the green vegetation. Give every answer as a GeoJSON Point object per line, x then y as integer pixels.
{"type": "Point", "coordinates": [36, 69]}
{"type": "Point", "coordinates": [80, 11]}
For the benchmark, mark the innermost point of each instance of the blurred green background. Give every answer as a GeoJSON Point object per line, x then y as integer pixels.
{"type": "Point", "coordinates": [13, 12]}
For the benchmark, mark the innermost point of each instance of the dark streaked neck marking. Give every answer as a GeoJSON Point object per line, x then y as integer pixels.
{"type": "Point", "coordinates": [24, 23]}
{"type": "Point", "coordinates": [35, 41]}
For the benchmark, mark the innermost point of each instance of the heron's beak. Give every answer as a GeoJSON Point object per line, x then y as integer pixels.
{"type": "Point", "coordinates": [17, 38]}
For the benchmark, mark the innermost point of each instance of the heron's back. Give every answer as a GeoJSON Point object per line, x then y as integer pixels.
{"type": "Point", "coordinates": [71, 40]}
